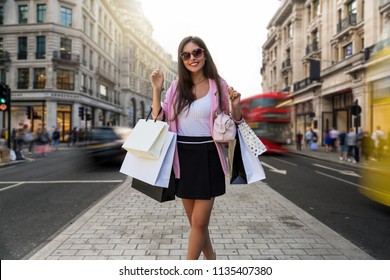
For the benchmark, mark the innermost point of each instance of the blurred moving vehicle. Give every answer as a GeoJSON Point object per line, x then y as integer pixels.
{"type": "Point", "coordinates": [376, 180]}
{"type": "Point", "coordinates": [105, 143]}
{"type": "Point", "coordinates": [266, 114]}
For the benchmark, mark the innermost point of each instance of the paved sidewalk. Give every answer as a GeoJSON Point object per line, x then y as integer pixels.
{"type": "Point", "coordinates": [250, 222]}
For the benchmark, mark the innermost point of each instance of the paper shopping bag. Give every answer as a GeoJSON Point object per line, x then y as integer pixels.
{"type": "Point", "coordinates": [253, 169]}
{"type": "Point", "coordinates": [236, 166]}
{"type": "Point", "coordinates": [156, 193]}
{"type": "Point", "coordinates": [146, 139]}
{"type": "Point", "coordinates": [152, 171]}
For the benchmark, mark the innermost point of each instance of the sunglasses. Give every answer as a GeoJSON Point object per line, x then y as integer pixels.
{"type": "Point", "coordinates": [195, 53]}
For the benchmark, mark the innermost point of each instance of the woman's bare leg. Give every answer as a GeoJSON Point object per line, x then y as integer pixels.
{"type": "Point", "coordinates": [198, 213]}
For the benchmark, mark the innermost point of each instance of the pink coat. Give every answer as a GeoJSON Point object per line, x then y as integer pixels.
{"type": "Point", "coordinates": [168, 110]}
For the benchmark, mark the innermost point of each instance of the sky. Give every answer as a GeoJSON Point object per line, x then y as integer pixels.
{"type": "Point", "coordinates": [233, 30]}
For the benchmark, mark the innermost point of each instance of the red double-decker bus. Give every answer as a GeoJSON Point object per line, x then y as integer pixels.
{"type": "Point", "coordinates": [269, 117]}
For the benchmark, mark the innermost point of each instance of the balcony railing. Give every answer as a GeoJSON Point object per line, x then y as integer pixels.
{"type": "Point", "coordinates": [22, 85]}
{"type": "Point", "coordinates": [22, 55]}
{"type": "Point", "coordinates": [286, 63]}
{"type": "Point", "coordinates": [350, 20]}
{"type": "Point", "coordinates": [66, 57]}
{"type": "Point", "coordinates": [39, 85]}
{"type": "Point", "coordinates": [303, 84]}
{"type": "Point", "coordinates": [66, 86]}
{"type": "Point", "coordinates": [105, 75]}
{"type": "Point", "coordinates": [312, 48]}
{"type": "Point", "coordinates": [40, 55]}
{"type": "Point", "coordinates": [5, 57]}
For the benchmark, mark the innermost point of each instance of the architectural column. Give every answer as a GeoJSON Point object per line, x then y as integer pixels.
{"type": "Point", "coordinates": [51, 116]}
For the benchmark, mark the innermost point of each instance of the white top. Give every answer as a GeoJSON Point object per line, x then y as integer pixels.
{"type": "Point", "coordinates": [195, 120]}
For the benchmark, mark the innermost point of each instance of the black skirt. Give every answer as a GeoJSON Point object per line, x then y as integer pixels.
{"type": "Point", "coordinates": [201, 173]}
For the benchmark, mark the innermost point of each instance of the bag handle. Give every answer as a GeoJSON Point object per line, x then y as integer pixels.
{"type": "Point", "coordinates": [218, 110]}
{"type": "Point", "coordinates": [150, 112]}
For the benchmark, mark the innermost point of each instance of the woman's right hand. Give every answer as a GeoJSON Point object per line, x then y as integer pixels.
{"type": "Point", "coordinates": [157, 80]}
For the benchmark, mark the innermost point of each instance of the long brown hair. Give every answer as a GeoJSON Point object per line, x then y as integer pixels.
{"type": "Point", "coordinates": [184, 93]}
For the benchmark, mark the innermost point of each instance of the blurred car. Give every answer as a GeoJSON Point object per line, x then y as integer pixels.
{"type": "Point", "coordinates": [105, 143]}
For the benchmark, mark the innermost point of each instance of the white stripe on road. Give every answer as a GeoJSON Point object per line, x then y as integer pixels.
{"type": "Point", "coordinates": [359, 186]}
{"type": "Point", "coordinates": [18, 183]}
{"type": "Point", "coordinates": [344, 172]}
{"type": "Point", "coordinates": [10, 187]}
{"type": "Point", "coordinates": [285, 161]}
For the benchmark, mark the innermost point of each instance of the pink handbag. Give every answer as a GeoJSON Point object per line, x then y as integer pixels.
{"type": "Point", "coordinates": [224, 128]}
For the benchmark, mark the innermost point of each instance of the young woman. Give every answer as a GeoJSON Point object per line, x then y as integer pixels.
{"type": "Point", "coordinates": [189, 108]}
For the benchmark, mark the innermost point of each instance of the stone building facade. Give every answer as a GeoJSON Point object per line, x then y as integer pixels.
{"type": "Point", "coordinates": [78, 63]}
{"type": "Point", "coordinates": [321, 51]}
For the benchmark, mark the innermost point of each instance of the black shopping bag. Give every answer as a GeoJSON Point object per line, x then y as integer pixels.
{"type": "Point", "coordinates": [157, 193]}
{"type": "Point", "coordinates": [237, 172]}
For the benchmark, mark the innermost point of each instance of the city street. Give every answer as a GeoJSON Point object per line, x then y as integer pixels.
{"type": "Point", "coordinates": [330, 192]}
{"type": "Point", "coordinates": [40, 197]}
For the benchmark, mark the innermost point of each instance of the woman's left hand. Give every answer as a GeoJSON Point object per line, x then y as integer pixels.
{"type": "Point", "coordinates": [234, 96]}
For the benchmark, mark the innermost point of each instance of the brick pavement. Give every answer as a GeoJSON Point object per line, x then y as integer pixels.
{"type": "Point", "coordinates": [250, 222]}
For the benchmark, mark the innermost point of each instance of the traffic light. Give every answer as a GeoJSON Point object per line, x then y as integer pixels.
{"type": "Point", "coordinates": [356, 110]}
{"type": "Point", "coordinates": [28, 112]}
{"type": "Point", "coordinates": [5, 98]}
{"type": "Point", "coordinates": [89, 117]}
{"type": "Point", "coordinates": [81, 112]}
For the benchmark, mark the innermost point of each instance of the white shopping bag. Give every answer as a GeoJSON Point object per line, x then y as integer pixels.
{"type": "Point", "coordinates": [152, 171]}
{"type": "Point", "coordinates": [253, 169]}
{"type": "Point", "coordinates": [146, 139]}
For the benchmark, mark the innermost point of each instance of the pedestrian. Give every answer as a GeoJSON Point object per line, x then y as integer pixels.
{"type": "Point", "coordinates": [55, 137]}
{"type": "Point", "coordinates": [42, 143]}
{"type": "Point", "coordinates": [189, 108]}
{"type": "Point", "coordinates": [334, 134]}
{"type": "Point", "coordinates": [74, 136]}
{"type": "Point", "coordinates": [328, 141]}
{"type": "Point", "coordinates": [314, 140]}
{"type": "Point", "coordinates": [379, 139]}
{"type": "Point", "coordinates": [342, 145]}
{"type": "Point", "coordinates": [28, 138]}
{"type": "Point", "coordinates": [298, 140]}
{"type": "Point", "coordinates": [308, 136]}
{"type": "Point", "coordinates": [359, 137]}
{"type": "Point", "coordinates": [367, 146]}
{"type": "Point", "coordinates": [351, 142]}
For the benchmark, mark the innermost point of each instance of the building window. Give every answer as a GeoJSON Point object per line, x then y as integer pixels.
{"type": "Point", "coordinates": [66, 16]}
{"type": "Point", "coordinates": [347, 50]}
{"type": "Point", "coordinates": [22, 48]}
{"type": "Point", "coordinates": [39, 78]}
{"type": "Point", "coordinates": [1, 15]}
{"type": "Point", "coordinates": [23, 14]}
{"type": "Point", "coordinates": [352, 7]}
{"type": "Point", "coordinates": [103, 92]}
{"type": "Point", "coordinates": [23, 78]}
{"type": "Point", "coordinates": [41, 47]}
{"type": "Point", "coordinates": [41, 13]}
{"type": "Point", "coordinates": [84, 83]}
{"type": "Point", "coordinates": [65, 79]}
{"type": "Point", "coordinates": [66, 48]}
{"type": "Point", "coordinates": [316, 8]}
